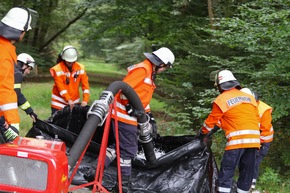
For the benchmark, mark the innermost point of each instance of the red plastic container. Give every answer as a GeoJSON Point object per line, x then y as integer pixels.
{"type": "Point", "coordinates": [33, 165]}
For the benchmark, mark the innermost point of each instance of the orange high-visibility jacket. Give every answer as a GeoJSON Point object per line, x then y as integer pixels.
{"type": "Point", "coordinates": [8, 98]}
{"type": "Point", "coordinates": [66, 84]}
{"type": "Point", "coordinates": [237, 114]}
{"type": "Point", "coordinates": [139, 77]}
{"type": "Point", "coordinates": [266, 127]}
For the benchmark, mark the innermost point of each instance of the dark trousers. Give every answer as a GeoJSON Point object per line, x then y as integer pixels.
{"type": "Point", "coordinates": [2, 120]}
{"type": "Point", "coordinates": [260, 156]}
{"type": "Point", "coordinates": [128, 145]}
{"type": "Point", "coordinates": [244, 159]}
{"type": "Point", "coordinates": [53, 110]}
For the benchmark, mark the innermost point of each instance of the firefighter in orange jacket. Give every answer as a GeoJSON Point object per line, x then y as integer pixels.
{"type": "Point", "coordinates": [266, 131]}
{"type": "Point", "coordinates": [68, 74]}
{"type": "Point", "coordinates": [141, 78]}
{"type": "Point", "coordinates": [13, 27]}
{"type": "Point", "coordinates": [237, 114]}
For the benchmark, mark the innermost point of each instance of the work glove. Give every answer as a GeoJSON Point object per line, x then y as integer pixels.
{"type": "Point", "coordinates": [207, 138]}
{"type": "Point", "coordinates": [84, 103]}
{"type": "Point", "coordinates": [200, 136]}
{"type": "Point", "coordinates": [130, 109]}
{"type": "Point", "coordinates": [9, 134]}
{"type": "Point", "coordinates": [71, 104]}
{"type": "Point", "coordinates": [134, 112]}
{"type": "Point", "coordinates": [153, 125]}
{"type": "Point", "coordinates": [33, 116]}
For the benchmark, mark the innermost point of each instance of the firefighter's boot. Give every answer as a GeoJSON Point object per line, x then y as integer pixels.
{"type": "Point", "coordinates": [126, 185]}
{"type": "Point", "coordinates": [91, 173]}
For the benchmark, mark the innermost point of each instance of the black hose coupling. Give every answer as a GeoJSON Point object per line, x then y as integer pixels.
{"type": "Point", "coordinates": [100, 108]}
{"type": "Point", "coordinates": [145, 131]}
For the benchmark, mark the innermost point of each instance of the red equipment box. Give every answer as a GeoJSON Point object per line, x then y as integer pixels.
{"type": "Point", "coordinates": [34, 166]}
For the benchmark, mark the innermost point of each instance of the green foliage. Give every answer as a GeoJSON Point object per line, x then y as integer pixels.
{"type": "Point", "coordinates": [260, 33]}
{"type": "Point", "coordinates": [218, 145]}
{"type": "Point", "coordinates": [257, 42]}
{"type": "Point", "coordinates": [270, 181]}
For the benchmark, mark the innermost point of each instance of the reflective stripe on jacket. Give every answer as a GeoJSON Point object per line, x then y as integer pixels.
{"type": "Point", "coordinates": [237, 114]}
{"type": "Point", "coordinates": [8, 98]}
{"type": "Point", "coordinates": [66, 84]}
{"type": "Point", "coordinates": [139, 77]}
{"type": "Point", "coordinates": [266, 127]}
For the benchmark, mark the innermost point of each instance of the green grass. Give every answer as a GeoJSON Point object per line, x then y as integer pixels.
{"type": "Point", "coordinates": [98, 66]}
{"type": "Point", "coordinates": [39, 96]}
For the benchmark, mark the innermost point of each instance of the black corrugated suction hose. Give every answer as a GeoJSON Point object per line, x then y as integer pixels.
{"type": "Point", "coordinates": [96, 118]}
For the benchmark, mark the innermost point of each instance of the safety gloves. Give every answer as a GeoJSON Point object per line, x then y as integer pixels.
{"type": "Point", "coordinates": [9, 134]}
{"type": "Point", "coordinates": [207, 138]}
{"type": "Point", "coordinates": [153, 125]}
{"type": "Point", "coordinates": [33, 116]}
{"type": "Point", "coordinates": [84, 103]}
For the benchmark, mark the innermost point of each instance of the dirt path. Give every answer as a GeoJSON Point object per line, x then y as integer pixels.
{"type": "Point", "coordinates": [94, 79]}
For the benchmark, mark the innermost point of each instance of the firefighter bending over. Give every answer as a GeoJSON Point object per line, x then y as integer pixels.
{"type": "Point", "coordinates": [68, 74]}
{"type": "Point", "coordinates": [141, 78]}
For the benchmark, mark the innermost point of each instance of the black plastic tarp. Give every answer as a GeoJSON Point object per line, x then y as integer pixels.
{"type": "Point", "coordinates": [183, 164]}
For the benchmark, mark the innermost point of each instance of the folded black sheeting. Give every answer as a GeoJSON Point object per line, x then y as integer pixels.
{"type": "Point", "coordinates": [187, 165]}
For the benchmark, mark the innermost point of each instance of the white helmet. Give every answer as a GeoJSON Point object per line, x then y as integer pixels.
{"type": "Point", "coordinates": [161, 56]}
{"type": "Point", "coordinates": [224, 76]}
{"type": "Point", "coordinates": [26, 59]}
{"type": "Point", "coordinates": [19, 18]}
{"type": "Point", "coordinates": [226, 80]}
{"type": "Point", "coordinates": [69, 54]}
{"type": "Point", "coordinates": [248, 91]}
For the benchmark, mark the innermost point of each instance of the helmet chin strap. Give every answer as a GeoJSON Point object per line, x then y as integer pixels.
{"type": "Point", "coordinates": [155, 72]}
{"type": "Point", "coordinates": [23, 69]}
{"type": "Point", "coordinates": [69, 68]}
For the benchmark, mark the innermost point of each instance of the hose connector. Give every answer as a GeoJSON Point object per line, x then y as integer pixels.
{"type": "Point", "coordinates": [100, 108]}
{"type": "Point", "coordinates": [145, 131]}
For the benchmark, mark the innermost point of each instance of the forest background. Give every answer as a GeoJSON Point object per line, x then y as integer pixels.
{"type": "Point", "coordinates": [248, 37]}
